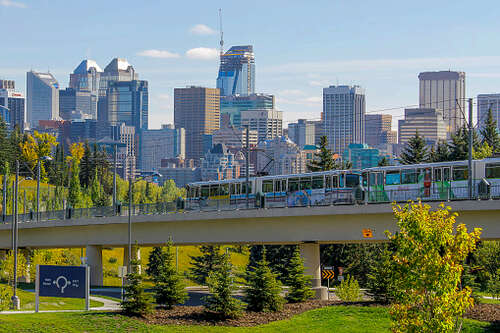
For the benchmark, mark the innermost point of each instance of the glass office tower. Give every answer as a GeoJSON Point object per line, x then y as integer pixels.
{"type": "Point", "coordinates": [237, 71]}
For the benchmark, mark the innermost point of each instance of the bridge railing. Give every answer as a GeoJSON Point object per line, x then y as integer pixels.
{"type": "Point", "coordinates": [268, 201]}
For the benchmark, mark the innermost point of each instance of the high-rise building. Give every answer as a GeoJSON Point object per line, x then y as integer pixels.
{"type": "Point", "coordinates": [197, 110]}
{"type": "Point", "coordinates": [74, 104]}
{"type": "Point", "coordinates": [12, 104]}
{"type": "Point", "coordinates": [302, 133]}
{"type": "Point", "coordinates": [82, 130]}
{"type": "Point", "coordinates": [361, 156]}
{"type": "Point", "coordinates": [234, 138]}
{"type": "Point", "coordinates": [42, 90]}
{"type": "Point", "coordinates": [233, 105]}
{"type": "Point", "coordinates": [127, 102]}
{"type": "Point", "coordinates": [428, 122]}
{"type": "Point", "coordinates": [267, 123]}
{"type": "Point", "coordinates": [237, 71]}
{"type": "Point", "coordinates": [319, 131]}
{"type": "Point", "coordinates": [219, 163]}
{"type": "Point", "coordinates": [87, 77]}
{"type": "Point", "coordinates": [485, 102]}
{"type": "Point", "coordinates": [344, 110]}
{"type": "Point", "coordinates": [445, 91]}
{"type": "Point", "coordinates": [158, 144]}
{"type": "Point", "coordinates": [378, 131]}
{"type": "Point", "coordinates": [126, 157]}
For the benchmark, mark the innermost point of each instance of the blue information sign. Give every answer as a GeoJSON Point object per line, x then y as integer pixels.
{"type": "Point", "coordinates": [62, 281]}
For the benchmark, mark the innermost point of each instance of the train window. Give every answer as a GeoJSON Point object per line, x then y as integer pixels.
{"type": "Point", "coordinates": [328, 183]}
{"type": "Point", "coordinates": [305, 183]}
{"type": "Point", "coordinates": [460, 173]}
{"type": "Point", "coordinates": [446, 174]}
{"type": "Point", "coordinates": [341, 180]}
{"type": "Point", "coordinates": [492, 170]}
{"type": "Point", "coordinates": [244, 188]}
{"type": "Point", "coordinates": [214, 190]}
{"type": "Point", "coordinates": [224, 189]}
{"type": "Point", "coordinates": [317, 182]}
{"type": "Point", "coordinates": [335, 181]}
{"type": "Point", "coordinates": [277, 186]}
{"type": "Point", "coordinates": [392, 177]}
{"type": "Point", "coordinates": [293, 184]}
{"type": "Point", "coordinates": [205, 191]}
{"type": "Point", "coordinates": [352, 180]}
{"type": "Point", "coordinates": [437, 175]}
{"type": "Point", "coordinates": [408, 176]}
{"type": "Point", "coordinates": [267, 186]}
{"type": "Point", "coordinates": [376, 178]}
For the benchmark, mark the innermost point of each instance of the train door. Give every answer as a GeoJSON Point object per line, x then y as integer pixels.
{"type": "Point", "coordinates": [376, 186]}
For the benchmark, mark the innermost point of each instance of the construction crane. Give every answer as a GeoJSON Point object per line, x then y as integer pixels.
{"type": "Point", "coordinates": [221, 33]}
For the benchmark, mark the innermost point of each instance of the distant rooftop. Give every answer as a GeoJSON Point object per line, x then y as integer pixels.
{"type": "Point", "coordinates": [117, 64]}
{"type": "Point", "coordinates": [85, 66]}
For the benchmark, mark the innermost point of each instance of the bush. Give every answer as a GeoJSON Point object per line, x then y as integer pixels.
{"type": "Point", "coordinates": [263, 293]}
{"type": "Point", "coordinates": [299, 283]}
{"type": "Point", "coordinates": [4, 297]}
{"type": "Point", "coordinates": [494, 285]}
{"type": "Point", "coordinates": [221, 302]}
{"type": "Point", "coordinates": [136, 302]}
{"type": "Point", "coordinates": [348, 290]}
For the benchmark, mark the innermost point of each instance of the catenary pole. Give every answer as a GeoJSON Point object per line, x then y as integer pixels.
{"type": "Point", "coordinates": [470, 148]}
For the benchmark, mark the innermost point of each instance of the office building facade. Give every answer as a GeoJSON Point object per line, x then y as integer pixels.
{"type": "Point", "coordinates": [429, 123]}
{"type": "Point", "coordinates": [267, 123]}
{"type": "Point", "coordinates": [302, 132]}
{"type": "Point", "coordinates": [42, 98]}
{"type": "Point", "coordinates": [444, 90]}
{"type": "Point", "coordinates": [12, 105]}
{"type": "Point", "coordinates": [231, 106]}
{"type": "Point", "coordinates": [237, 71]}
{"type": "Point", "coordinates": [485, 102]}
{"type": "Point", "coordinates": [86, 78]}
{"type": "Point", "coordinates": [197, 110]}
{"type": "Point", "coordinates": [74, 104]}
{"type": "Point", "coordinates": [234, 138]}
{"type": "Point", "coordinates": [127, 102]}
{"type": "Point", "coordinates": [158, 144]}
{"type": "Point", "coordinates": [361, 156]}
{"type": "Point", "coordinates": [344, 109]}
{"type": "Point", "coordinates": [218, 164]}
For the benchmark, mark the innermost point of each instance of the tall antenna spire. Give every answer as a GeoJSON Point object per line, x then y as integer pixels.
{"type": "Point", "coordinates": [221, 33]}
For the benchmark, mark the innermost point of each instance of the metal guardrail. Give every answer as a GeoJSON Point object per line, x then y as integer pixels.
{"type": "Point", "coordinates": [268, 201]}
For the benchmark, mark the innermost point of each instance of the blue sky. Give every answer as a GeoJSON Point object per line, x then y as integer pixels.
{"type": "Point", "coordinates": [300, 46]}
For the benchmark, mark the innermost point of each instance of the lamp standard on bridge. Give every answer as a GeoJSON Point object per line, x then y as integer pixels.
{"type": "Point", "coordinates": [39, 166]}
{"type": "Point", "coordinates": [130, 198]}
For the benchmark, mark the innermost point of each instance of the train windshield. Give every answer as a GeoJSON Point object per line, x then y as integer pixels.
{"type": "Point", "coordinates": [351, 180]}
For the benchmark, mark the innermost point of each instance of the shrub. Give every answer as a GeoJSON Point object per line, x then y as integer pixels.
{"type": "Point", "coordinates": [299, 283]}
{"type": "Point", "coordinates": [4, 297]}
{"type": "Point", "coordinates": [348, 290]}
{"type": "Point", "coordinates": [494, 285]}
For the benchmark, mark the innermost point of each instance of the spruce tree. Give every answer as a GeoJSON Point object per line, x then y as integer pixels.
{"type": "Point", "coordinates": [220, 302]}
{"type": "Point", "coordinates": [459, 146]}
{"type": "Point", "coordinates": [323, 161]}
{"type": "Point", "coordinates": [263, 293]}
{"type": "Point", "coordinates": [136, 301]}
{"type": "Point", "coordinates": [440, 152]}
{"type": "Point", "coordinates": [378, 283]}
{"type": "Point", "coordinates": [384, 161]}
{"type": "Point", "coordinates": [5, 148]}
{"type": "Point", "coordinates": [277, 256]}
{"type": "Point", "coordinates": [156, 257]}
{"type": "Point", "coordinates": [490, 132]}
{"type": "Point", "coordinates": [299, 283]}
{"type": "Point", "coordinates": [86, 170]}
{"type": "Point", "coordinates": [203, 264]}
{"type": "Point", "coordinates": [415, 151]}
{"type": "Point", "coordinates": [169, 287]}
{"type": "Point", "coordinates": [75, 196]}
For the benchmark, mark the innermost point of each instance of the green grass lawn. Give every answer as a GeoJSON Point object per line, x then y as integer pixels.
{"type": "Point", "coordinates": [330, 319]}
{"type": "Point", "coordinates": [27, 300]}
{"type": "Point", "coordinates": [488, 300]}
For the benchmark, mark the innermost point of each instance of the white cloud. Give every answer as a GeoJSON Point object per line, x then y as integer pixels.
{"type": "Point", "coordinates": [10, 3]}
{"type": "Point", "coordinates": [202, 53]}
{"type": "Point", "coordinates": [201, 29]}
{"type": "Point", "coordinates": [158, 54]}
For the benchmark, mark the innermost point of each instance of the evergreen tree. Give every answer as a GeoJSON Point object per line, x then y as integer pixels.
{"type": "Point", "coordinates": [277, 256]}
{"type": "Point", "coordinates": [156, 257]}
{"type": "Point", "coordinates": [380, 277]}
{"type": "Point", "coordinates": [86, 166]}
{"type": "Point", "coordinates": [98, 197]}
{"type": "Point", "coordinates": [5, 148]}
{"type": "Point", "coordinates": [136, 301]}
{"type": "Point", "coordinates": [323, 160]}
{"type": "Point", "coordinates": [415, 151]}
{"type": "Point", "coordinates": [299, 283]}
{"type": "Point", "coordinates": [263, 293]}
{"type": "Point", "coordinates": [384, 161]}
{"type": "Point", "coordinates": [459, 146]}
{"type": "Point", "coordinates": [169, 287]}
{"type": "Point", "coordinates": [490, 132]}
{"type": "Point", "coordinates": [220, 301]}
{"type": "Point", "coordinates": [202, 265]}
{"type": "Point", "coordinates": [440, 153]}
{"type": "Point", "coordinates": [75, 196]}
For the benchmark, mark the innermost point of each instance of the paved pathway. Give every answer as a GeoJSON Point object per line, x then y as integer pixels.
{"type": "Point", "coordinates": [108, 305]}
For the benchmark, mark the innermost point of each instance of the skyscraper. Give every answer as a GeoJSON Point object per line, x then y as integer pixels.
{"type": "Point", "coordinates": [267, 123]}
{"type": "Point", "coordinates": [197, 110]}
{"type": "Point", "coordinates": [233, 105]}
{"type": "Point", "coordinates": [42, 97]}
{"type": "Point", "coordinates": [158, 144]}
{"type": "Point", "coordinates": [486, 102]}
{"type": "Point", "coordinates": [428, 122]}
{"type": "Point", "coordinates": [344, 116]}
{"type": "Point", "coordinates": [302, 133]}
{"type": "Point", "coordinates": [74, 104]}
{"type": "Point", "coordinates": [127, 102]}
{"type": "Point", "coordinates": [237, 71]}
{"type": "Point", "coordinates": [13, 104]}
{"type": "Point", "coordinates": [378, 130]}
{"type": "Point", "coordinates": [87, 77]}
{"type": "Point", "coordinates": [445, 91]}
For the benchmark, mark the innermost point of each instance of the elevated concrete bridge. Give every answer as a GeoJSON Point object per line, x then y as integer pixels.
{"type": "Point", "coordinates": [307, 226]}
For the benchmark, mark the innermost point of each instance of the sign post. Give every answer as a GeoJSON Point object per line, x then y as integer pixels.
{"type": "Point", "coordinates": [122, 272]}
{"type": "Point", "coordinates": [62, 281]}
{"type": "Point", "coordinates": [328, 273]}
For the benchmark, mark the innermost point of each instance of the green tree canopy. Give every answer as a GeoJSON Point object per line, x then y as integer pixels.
{"type": "Point", "coordinates": [209, 259]}
{"type": "Point", "coordinates": [489, 132]}
{"type": "Point", "coordinates": [415, 151]}
{"type": "Point", "coordinates": [323, 160]}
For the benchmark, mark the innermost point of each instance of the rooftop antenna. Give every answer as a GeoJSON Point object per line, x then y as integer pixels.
{"type": "Point", "coordinates": [221, 33]}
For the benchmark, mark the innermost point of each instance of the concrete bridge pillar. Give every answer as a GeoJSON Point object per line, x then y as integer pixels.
{"type": "Point", "coordinates": [310, 254]}
{"type": "Point", "coordinates": [136, 255]}
{"type": "Point", "coordinates": [94, 260]}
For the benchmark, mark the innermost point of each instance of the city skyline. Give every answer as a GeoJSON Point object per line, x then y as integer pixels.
{"type": "Point", "coordinates": [293, 62]}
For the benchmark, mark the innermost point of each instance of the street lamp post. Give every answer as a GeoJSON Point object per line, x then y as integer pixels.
{"type": "Point", "coordinates": [15, 299]}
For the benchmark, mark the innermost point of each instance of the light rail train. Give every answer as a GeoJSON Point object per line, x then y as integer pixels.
{"type": "Point", "coordinates": [429, 181]}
